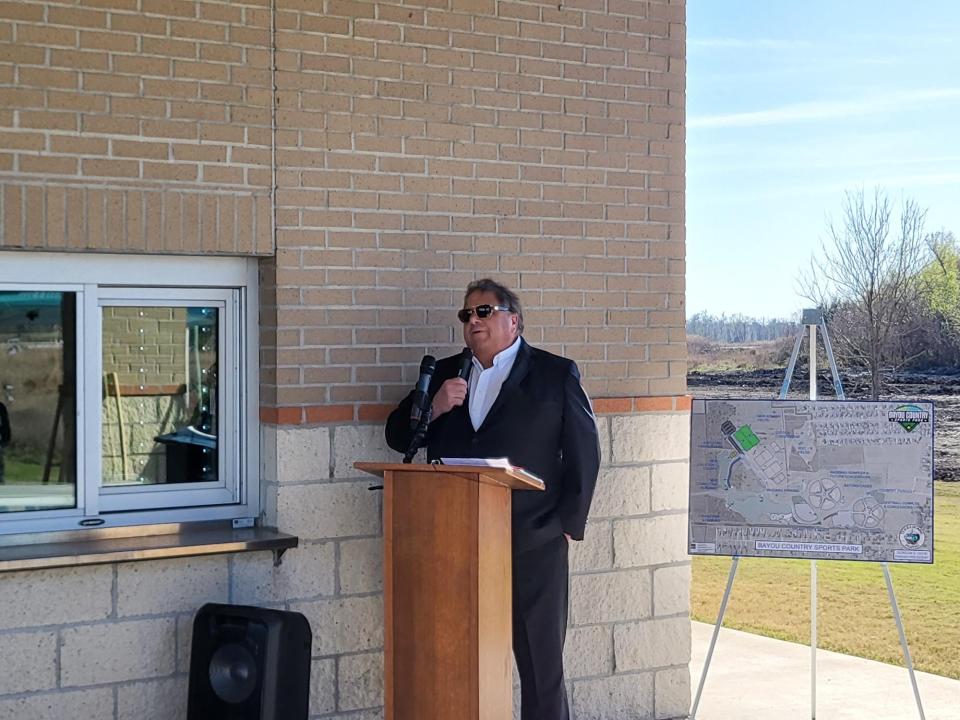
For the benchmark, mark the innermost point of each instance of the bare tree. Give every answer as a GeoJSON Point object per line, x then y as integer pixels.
{"type": "Point", "coordinates": [865, 278]}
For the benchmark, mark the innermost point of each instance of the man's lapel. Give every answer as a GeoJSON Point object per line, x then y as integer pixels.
{"type": "Point", "coordinates": [511, 386]}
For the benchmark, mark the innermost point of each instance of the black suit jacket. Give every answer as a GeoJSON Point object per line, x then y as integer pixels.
{"type": "Point", "coordinates": [542, 421]}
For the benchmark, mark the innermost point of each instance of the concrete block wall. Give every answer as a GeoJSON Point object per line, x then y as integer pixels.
{"type": "Point", "coordinates": [629, 641]}
{"type": "Point", "coordinates": [103, 642]}
{"type": "Point", "coordinates": [114, 640]}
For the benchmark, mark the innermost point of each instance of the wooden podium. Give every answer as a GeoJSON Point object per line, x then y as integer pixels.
{"type": "Point", "coordinates": [447, 590]}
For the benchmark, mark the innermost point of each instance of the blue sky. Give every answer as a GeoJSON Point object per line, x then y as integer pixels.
{"type": "Point", "coordinates": [789, 104]}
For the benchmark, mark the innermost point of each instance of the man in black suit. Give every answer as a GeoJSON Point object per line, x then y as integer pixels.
{"type": "Point", "coordinates": [527, 405]}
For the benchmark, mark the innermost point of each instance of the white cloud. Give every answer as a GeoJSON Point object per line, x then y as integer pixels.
{"type": "Point", "coordinates": [826, 109]}
{"type": "Point", "coordinates": [919, 180]}
{"type": "Point", "coordinates": [745, 43]}
{"type": "Point", "coordinates": [831, 188]}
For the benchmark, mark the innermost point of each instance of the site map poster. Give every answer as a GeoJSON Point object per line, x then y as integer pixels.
{"type": "Point", "coordinates": [834, 480]}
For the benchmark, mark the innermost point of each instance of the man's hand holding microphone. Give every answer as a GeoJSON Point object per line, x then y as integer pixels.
{"type": "Point", "coordinates": [453, 392]}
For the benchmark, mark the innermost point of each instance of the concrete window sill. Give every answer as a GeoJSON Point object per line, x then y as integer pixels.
{"type": "Point", "coordinates": [38, 551]}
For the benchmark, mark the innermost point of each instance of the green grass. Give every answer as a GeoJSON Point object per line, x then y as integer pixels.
{"type": "Point", "coordinates": [19, 470]}
{"type": "Point", "coordinates": [772, 597]}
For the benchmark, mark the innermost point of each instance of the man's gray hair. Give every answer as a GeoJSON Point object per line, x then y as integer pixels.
{"type": "Point", "coordinates": [505, 296]}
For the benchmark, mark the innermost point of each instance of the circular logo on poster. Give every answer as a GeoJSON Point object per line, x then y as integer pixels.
{"type": "Point", "coordinates": [911, 536]}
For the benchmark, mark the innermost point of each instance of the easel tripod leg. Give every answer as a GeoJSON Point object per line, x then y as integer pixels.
{"type": "Point", "coordinates": [713, 639]}
{"type": "Point", "coordinates": [903, 638]}
{"type": "Point", "coordinates": [813, 640]}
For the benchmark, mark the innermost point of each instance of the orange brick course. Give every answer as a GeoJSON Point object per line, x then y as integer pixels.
{"type": "Point", "coordinates": [369, 413]}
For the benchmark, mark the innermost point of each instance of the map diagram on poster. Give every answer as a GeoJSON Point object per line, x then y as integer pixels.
{"type": "Point", "coordinates": [833, 480]}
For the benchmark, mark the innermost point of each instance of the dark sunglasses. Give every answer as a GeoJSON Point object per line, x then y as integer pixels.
{"type": "Point", "coordinates": [482, 311]}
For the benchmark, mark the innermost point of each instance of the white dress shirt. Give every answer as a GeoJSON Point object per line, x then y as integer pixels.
{"type": "Point", "coordinates": [485, 383]}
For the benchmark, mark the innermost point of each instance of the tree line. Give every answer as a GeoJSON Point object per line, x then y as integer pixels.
{"type": "Point", "coordinates": [739, 328]}
{"type": "Point", "coordinates": [889, 290]}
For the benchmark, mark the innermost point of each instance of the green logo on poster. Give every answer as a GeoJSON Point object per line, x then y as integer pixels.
{"type": "Point", "coordinates": [908, 416]}
{"type": "Point", "coordinates": [911, 536]}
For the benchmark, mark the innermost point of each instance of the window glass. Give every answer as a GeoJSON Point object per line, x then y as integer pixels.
{"type": "Point", "coordinates": [38, 446]}
{"type": "Point", "coordinates": [128, 390]}
{"type": "Point", "coordinates": [160, 406]}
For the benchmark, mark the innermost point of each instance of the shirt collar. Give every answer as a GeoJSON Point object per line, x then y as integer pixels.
{"type": "Point", "coordinates": [503, 356]}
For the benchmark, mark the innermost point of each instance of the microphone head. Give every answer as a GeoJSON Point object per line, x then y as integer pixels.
{"type": "Point", "coordinates": [466, 362]}
{"type": "Point", "coordinates": [428, 365]}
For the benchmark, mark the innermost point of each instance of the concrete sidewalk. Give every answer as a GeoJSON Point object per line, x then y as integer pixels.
{"type": "Point", "coordinates": [758, 678]}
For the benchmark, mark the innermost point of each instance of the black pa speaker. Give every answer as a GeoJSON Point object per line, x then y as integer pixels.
{"type": "Point", "coordinates": [249, 663]}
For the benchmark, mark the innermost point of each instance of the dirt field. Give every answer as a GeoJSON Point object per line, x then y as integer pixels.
{"type": "Point", "coordinates": [942, 389]}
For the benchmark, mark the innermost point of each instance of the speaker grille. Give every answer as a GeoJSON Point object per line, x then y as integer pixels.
{"type": "Point", "coordinates": [233, 673]}
{"type": "Point", "coordinates": [249, 663]}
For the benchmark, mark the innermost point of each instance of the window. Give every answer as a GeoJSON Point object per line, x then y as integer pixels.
{"type": "Point", "coordinates": [38, 382]}
{"type": "Point", "coordinates": [128, 390]}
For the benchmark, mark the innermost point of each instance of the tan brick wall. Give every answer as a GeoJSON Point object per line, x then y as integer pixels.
{"type": "Point", "coordinates": [140, 126]}
{"type": "Point", "coordinates": [419, 145]}
{"type": "Point", "coordinates": [422, 145]}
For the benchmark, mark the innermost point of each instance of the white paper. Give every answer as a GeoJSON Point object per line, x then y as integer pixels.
{"type": "Point", "coordinates": [501, 462]}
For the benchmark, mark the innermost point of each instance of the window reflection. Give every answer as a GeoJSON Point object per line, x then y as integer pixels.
{"type": "Point", "coordinates": [159, 395]}
{"type": "Point", "coordinates": [37, 401]}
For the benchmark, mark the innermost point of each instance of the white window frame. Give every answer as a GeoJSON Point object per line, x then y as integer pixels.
{"type": "Point", "coordinates": [224, 490]}
{"type": "Point", "coordinates": [231, 285]}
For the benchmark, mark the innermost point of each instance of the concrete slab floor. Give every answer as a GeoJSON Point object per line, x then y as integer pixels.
{"type": "Point", "coordinates": [758, 678]}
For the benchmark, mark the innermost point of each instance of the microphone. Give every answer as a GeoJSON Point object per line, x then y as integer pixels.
{"type": "Point", "coordinates": [466, 363]}
{"type": "Point", "coordinates": [420, 397]}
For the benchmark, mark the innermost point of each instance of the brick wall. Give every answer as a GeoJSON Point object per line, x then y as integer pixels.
{"type": "Point", "coordinates": [423, 145]}
{"type": "Point", "coordinates": [418, 145]}
{"type": "Point", "coordinates": [136, 125]}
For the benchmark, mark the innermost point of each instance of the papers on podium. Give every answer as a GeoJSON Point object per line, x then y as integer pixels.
{"type": "Point", "coordinates": [501, 462]}
{"type": "Point", "coordinates": [480, 462]}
